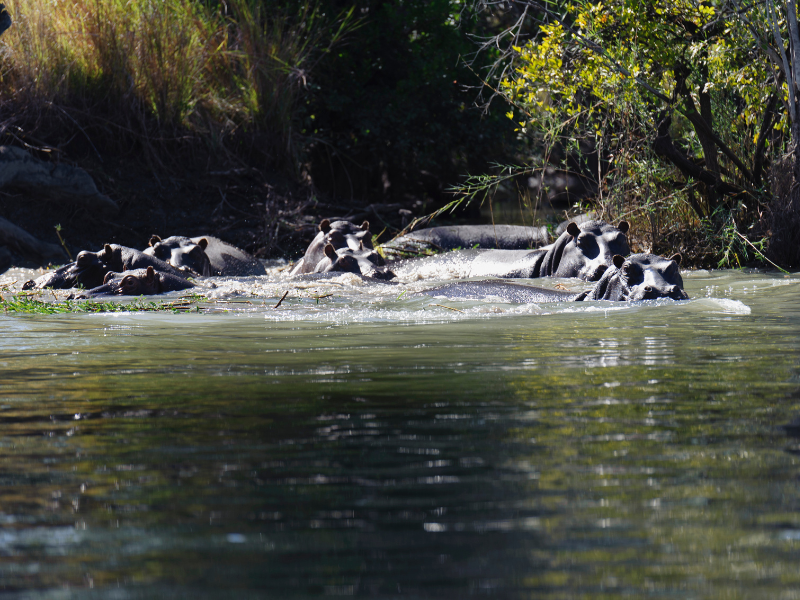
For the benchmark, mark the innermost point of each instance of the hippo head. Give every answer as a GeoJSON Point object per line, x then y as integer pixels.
{"type": "Point", "coordinates": [182, 254]}
{"type": "Point", "coordinates": [341, 260]}
{"type": "Point", "coordinates": [344, 233]}
{"type": "Point", "coordinates": [586, 251]}
{"type": "Point", "coordinates": [339, 234]}
{"type": "Point", "coordinates": [138, 282]}
{"type": "Point", "coordinates": [640, 277]}
{"type": "Point", "coordinates": [364, 261]}
{"type": "Point", "coordinates": [87, 271]}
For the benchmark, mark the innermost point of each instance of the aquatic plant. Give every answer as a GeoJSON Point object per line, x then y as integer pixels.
{"type": "Point", "coordinates": [31, 304]}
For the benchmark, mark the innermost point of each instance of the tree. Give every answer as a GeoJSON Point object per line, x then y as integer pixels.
{"type": "Point", "coordinates": [684, 102]}
{"type": "Point", "coordinates": [392, 115]}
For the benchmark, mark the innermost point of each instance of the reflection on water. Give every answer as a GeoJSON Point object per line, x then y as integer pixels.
{"type": "Point", "coordinates": [374, 445]}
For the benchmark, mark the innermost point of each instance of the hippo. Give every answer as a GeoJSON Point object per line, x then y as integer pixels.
{"type": "Point", "coordinates": [182, 253]}
{"type": "Point", "coordinates": [364, 262]}
{"type": "Point", "coordinates": [205, 255]}
{"type": "Point", "coordinates": [138, 282]}
{"type": "Point", "coordinates": [638, 277]}
{"type": "Point", "coordinates": [583, 251]}
{"type": "Point", "coordinates": [90, 268]}
{"type": "Point", "coordinates": [455, 237]}
{"type": "Point", "coordinates": [339, 234]}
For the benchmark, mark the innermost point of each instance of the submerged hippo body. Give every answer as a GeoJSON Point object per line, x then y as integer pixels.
{"type": "Point", "coordinates": [364, 262]}
{"type": "Point", "coordinates": [205, 255]}
{"type": "Point", "coordinates": [90, 268]}
{"type": "Point", "coordinates": [638, 277]}
{"type": "Point", "coordinates": [584, 251]}
{"type": "Point", "coordinates": [138, 282]}
{"type": "Point", "coordinates": [339, 235]}
{"type": "Point", "coordinates": [453, 237]}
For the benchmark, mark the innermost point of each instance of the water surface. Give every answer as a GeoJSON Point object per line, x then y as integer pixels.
{"type": "Point", "coordinates": [375, 443]}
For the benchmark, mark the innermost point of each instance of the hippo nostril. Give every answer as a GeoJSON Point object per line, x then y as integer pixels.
{"type": "Point", "coordinates": [647, 289]}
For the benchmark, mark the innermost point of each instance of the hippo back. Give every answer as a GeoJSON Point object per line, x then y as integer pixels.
{"type": "Point", "coordinates": [454, 237]}
{"type": "Point", "coordinates": [229, 260]}
{"type": "Point", "coordinates": [504, 290]}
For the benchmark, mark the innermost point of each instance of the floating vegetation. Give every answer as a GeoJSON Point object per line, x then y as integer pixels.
{"type": "Point", "coordinates": [31, 304]}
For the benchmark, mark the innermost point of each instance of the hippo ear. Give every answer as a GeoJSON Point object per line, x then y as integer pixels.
{"type": "Point", "coordinates": [154, 240]}
{"type": "Point", "coordinates": [150, 275]}
{"type": "Point", "coordinates": [107, 251]}
{"type": "Point", "coordinates": [623, 226]}
{"type": "Point", "coordinates": [330, 252]}
{"type": "Point", "coordinates": [618, 261]}
{"type": "Point", "coordinates": [203, 243]}
{"type": "Point", "coordinates": [365, 226]}
{"type": "Point", "coordinates": [676, 257]}
{"type": "Point", "coordinates": [360, 244]}
{"type": "Point", "coordinates": [108, 277]}
{"type": "Point", "coordinates": [325, 226]}
{"type": "Point", "coordinates": [573, 229]}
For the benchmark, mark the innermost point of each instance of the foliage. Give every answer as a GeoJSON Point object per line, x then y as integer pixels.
{"type": "Point", "coordinates": [670, 108]}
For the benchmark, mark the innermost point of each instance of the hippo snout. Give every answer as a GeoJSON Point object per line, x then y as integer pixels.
{"type": "Point", "coordinates": [678, 293]}
{"type": "Point", "coordinates": [648, 292]}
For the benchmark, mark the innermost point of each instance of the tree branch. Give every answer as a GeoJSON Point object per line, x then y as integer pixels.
{"type": "Point", "coordinates": [761, 142]}
{"type": "Point", "coordinates": [663, 146]}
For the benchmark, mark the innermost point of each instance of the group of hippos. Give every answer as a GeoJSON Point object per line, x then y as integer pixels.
{"type": "Point", "coordinates": [592, 250]}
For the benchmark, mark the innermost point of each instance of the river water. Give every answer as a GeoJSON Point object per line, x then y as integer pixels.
{"type": "Point", "coordinates": [363, 442]}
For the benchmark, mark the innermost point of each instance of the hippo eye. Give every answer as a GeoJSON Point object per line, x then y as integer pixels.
{"type": "Point", "coordinates": [128, 282]}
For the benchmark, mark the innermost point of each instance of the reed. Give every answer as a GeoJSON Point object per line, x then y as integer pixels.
{"type": "Point", "coordinates": [162, 70]}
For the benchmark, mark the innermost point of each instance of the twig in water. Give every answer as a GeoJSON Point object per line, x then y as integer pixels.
{"type": "Point", "coordinates": [447, 307]}
{"type": "Point", "coordinates": [759, 253]}
{"type": "Point", "coordinates": [318, 298]}
{"type": "Point", "coordinates": [286, 293]}
{"type": "Point", "coordinates": [60, 239]}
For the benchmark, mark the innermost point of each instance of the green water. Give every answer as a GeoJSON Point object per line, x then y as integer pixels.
{"type": "Point", "coordinates": [381, 445]}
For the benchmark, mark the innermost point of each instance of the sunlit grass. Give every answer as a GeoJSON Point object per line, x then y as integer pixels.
{"type": "Point", "coordinates": [188, 66]}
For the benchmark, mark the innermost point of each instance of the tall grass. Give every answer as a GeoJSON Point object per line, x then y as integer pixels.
{"type": "Point", "coordinates": [161, 70]}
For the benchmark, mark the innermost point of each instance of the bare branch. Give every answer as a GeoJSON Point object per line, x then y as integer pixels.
{"type": "Point", "coordinates": [786, 70]}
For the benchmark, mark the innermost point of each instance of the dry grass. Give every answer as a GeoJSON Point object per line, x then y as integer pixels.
{"type": "Point", "coordinates": [162, 70]}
